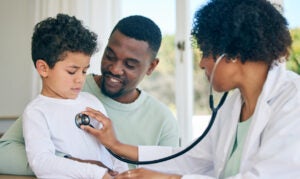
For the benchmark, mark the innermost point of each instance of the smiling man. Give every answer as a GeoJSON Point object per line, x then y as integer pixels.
{"type": "Point", "coordinates": [129, 56]}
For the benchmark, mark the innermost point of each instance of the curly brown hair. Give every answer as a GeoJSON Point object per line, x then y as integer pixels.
{"type": "Point", "coordinates": [53, 37]}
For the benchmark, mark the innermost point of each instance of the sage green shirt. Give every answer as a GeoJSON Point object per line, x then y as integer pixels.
{"type": "Point", "coordinates": [233, 164]}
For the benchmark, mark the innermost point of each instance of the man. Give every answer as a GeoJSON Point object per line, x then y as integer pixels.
{"type": "Point", "coordinates": [138, 118]}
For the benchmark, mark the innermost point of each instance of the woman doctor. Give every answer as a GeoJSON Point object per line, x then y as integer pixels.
{"type": "Point", "coordinates": [256, 132]}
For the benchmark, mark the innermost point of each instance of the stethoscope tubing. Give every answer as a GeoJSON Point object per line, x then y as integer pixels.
{"type": "Point", "coordinates": [192, 145]}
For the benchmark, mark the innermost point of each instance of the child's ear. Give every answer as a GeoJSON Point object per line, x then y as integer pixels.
{"type": "Point", "coordinates": [42, 68]}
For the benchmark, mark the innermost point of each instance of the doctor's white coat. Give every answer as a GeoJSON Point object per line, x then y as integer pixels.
{"type": "Point", "coordinates": [272, 146]}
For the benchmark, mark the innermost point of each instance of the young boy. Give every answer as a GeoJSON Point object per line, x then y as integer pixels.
{"type": "Point", "coordinates": [61, 52]}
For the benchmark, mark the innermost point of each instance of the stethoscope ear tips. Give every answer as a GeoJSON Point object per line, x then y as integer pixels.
{"type": "Point", "coordinates": [82, 119]}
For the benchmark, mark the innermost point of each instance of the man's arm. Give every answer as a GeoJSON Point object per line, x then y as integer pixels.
{"type": "Point", "coordinates": [13, 158]}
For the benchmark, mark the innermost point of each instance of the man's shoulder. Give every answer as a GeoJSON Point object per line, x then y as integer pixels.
{"type": "Point", "coordinates": [91, 86]}
{"type": "Point", "coordinates": [148, 98]}
{"type": "Point", "coordinates": [89, 77]}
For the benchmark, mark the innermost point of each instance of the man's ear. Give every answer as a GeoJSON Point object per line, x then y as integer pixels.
{"type": "Point", "coordinates": [42, 68]}
{"type": "Point", "coordinates": [153, 65]}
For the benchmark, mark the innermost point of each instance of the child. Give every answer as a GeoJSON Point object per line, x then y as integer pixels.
{"type": "Point", "coordinates": [61, 52]}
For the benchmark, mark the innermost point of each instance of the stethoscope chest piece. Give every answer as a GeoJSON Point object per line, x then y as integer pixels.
{"type": "Point", "coordinates": [82, 119]}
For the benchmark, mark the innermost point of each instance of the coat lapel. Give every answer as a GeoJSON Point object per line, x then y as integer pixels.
{"type": "Point", "coordinates": [261, 114]}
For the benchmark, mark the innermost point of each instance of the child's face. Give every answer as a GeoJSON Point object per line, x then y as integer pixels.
{"type": "Point", "coordinates": [66, 78]}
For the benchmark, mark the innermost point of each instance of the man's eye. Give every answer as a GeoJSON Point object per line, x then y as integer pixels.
{"type": "Point", "coordinates": [130, 66]}
{"type": "Point", "coordinates": [109, 56]}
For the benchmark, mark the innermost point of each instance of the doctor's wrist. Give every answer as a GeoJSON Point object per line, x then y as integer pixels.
{"type": "Point", "coordinates": [114, 146]}
{"type": "Point", "coordinates": [125, 150]}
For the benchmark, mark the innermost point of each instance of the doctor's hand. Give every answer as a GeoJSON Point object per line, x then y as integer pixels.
{"type": "Point", "coordinates": [106, 135]}
{"type": "Point", "coordinates": [142, 173]}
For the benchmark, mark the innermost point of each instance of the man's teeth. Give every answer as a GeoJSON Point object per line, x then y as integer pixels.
{"type": "Point", "coordinates": [114, 80]}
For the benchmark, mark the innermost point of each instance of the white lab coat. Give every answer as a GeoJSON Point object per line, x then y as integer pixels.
{"type": "Point", "coordinates": [272, 146]}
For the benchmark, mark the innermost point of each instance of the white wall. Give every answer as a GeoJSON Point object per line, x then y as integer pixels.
{"type": "Point", "coordinates": [16, 18]}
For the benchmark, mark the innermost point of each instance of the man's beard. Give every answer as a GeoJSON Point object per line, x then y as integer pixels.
{"type": "Point", "coordinates": [112, 95]}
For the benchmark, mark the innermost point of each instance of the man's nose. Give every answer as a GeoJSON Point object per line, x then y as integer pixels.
{"type": "Point", "coordinates": [117, 68]}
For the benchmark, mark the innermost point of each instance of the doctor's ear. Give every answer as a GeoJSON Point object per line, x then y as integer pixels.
{"type": "Point", "coordinates": [42, 67]}
{"type": "Point", "coordinates": [233, 59]}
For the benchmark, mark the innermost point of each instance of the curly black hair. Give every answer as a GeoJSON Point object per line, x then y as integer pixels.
{"type": "Point", "coordinates": [53, 37]}
{"type": "Point", "coordinates": [141, 28]}
{"type": "Point", "coordinates": [253, 30]}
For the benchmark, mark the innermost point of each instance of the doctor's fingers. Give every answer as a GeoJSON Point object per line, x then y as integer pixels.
{"type": "Point", "coordinates": [106, 135]}
{"type": "Point", "coordinates": [99, 116]}
{"type": "Point", "coordinates": [91, 130]}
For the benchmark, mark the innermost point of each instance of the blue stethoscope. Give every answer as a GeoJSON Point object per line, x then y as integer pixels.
{"type": "Point", "coordinates": [82, 119]}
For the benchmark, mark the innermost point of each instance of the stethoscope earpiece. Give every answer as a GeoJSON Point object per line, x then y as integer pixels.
{"type": "Point", "coordinates": [82, 119]}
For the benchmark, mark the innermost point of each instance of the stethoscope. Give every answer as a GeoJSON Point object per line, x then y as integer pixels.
{"type": "Point", "coordinates": [82, 119]}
